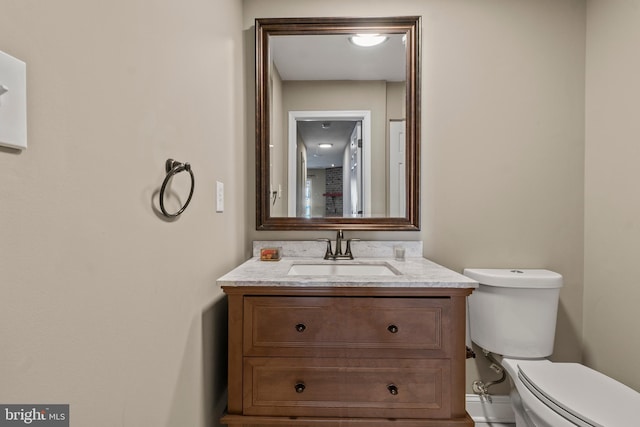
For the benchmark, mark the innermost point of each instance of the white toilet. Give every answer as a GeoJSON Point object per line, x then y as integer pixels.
{"type": "Point", "coordinates": [513, 314]}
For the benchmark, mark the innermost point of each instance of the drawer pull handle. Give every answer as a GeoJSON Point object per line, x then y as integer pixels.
{"type": "Point", "coordinates": [393, 389]}
{"type": "Point", "coordinates": [300, 387]}
{"type": "Point", "coordinates": [393, 329]}
{"type": "Point", "coordinates": [300, 327]}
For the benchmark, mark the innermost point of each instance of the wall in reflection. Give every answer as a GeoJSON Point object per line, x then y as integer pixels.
{"type": "Point", "coordinates": [384, 100]}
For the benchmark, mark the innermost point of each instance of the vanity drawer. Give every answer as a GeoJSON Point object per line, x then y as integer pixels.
{"type": "Point", "coordinates": [329, 387]}
{"type": "Point", "coordinates": [346, 326]}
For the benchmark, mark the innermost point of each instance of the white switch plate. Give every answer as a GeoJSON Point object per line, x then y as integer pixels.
{"type": "Point", "coordinates": [219, 196]}
{"type": "Point", "coordinates": [13, 102]}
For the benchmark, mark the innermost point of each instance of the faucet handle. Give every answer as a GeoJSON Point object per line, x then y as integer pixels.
{"type": "Point", "coordinates": [348, 252]}
{"type": "Point", "coordinates": [329, 252]}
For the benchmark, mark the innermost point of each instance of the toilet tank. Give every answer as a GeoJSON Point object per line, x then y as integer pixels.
{"type": "Point", "coordinates": [514, 312]}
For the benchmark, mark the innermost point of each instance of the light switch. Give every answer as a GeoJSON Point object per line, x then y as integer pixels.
{"type": "Point", "coordinates": [13, 102]}
{"type": "Point", "coordinates": [219, 196]}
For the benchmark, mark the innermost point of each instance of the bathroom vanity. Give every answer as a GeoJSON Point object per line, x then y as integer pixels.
{"type": "Point", "coordinates": [378, 342]}
{"type": "Point", "coordinates": [369, 342]}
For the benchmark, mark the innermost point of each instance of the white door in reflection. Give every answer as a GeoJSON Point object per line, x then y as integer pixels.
{"type": "Point", "coordinates": [353, 171]}
{"type": "Point", "coordinates": [397, 168]}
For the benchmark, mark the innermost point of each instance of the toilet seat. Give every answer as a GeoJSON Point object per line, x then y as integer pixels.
{"type": "Point", "coordinates": [579, 394]}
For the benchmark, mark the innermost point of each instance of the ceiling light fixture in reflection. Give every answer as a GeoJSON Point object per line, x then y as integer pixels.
{"type": "Point", "coordinates": [367, 40]}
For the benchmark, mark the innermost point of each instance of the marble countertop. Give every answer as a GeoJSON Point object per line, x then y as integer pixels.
{"type": "Point", "coordinates": [414, 272]}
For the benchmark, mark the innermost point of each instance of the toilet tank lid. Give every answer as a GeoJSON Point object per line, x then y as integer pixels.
{"type": "Point", "coordinates": [515, 277]}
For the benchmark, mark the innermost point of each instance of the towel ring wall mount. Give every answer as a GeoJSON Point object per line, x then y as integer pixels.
{"type": "Point", "coordinates": [173, 167]}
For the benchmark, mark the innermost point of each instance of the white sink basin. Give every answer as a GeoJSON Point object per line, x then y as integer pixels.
{"type": "Point", "coordinates": [342, 270]}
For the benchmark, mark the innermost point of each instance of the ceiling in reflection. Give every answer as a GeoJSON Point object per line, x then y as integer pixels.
{"type": "Point", "coordinates": [334, 57]}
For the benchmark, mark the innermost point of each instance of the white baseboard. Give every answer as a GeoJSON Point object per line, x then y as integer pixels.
{"type": "Point", "coordinates": [497, 411]}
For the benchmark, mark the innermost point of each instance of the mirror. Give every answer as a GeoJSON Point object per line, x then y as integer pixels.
{"type": "Point", "coordinates": [337, 123]}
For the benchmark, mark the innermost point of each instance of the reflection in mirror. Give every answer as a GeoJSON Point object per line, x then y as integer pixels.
{"type": "Point", "coordinates": [337, 128]}
{"type": "Point", "coordinates": [336, 180]}
{"type": "Point", "coordinates": [331, 152]}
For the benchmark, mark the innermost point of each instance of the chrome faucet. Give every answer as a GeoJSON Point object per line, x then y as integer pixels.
{"type": "Point", "coordinates": [337, 254]}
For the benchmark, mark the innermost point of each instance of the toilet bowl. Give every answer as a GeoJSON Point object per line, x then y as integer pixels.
{"type": "Point", "coordinates": [512, 314]}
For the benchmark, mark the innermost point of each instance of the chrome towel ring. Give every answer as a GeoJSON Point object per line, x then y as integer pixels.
{"type": "Point", "coordinates": [174, 167]}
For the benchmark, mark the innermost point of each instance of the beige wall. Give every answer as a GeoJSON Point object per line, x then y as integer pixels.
{"type": "Point", "coordinates": [278, 153]}
{"type": "Point", "coordinates": [103, 304]}
{"type": "Point", "coordinates": [612, 205]}
{"type": "Point", "coordinates": [502, 136]}
{"type": "Point", "coordinates": [396, 110]}
{"type": "Point", "coordinates": [109, 308]}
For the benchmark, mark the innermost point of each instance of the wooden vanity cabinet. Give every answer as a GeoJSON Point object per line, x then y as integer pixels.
{"type": "Point", "coordinates": [337, 357]}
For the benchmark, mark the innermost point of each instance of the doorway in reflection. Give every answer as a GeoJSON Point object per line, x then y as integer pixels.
{"type": "Point", "coordinates": [331, 172]}
{"type": "Point", "coordinates": [334, 162]}
{"type": "Point", "coordinates": [331, 175]}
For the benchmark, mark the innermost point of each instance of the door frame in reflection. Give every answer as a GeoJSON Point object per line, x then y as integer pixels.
{"type": "Point", "coordinates": [346, 115]}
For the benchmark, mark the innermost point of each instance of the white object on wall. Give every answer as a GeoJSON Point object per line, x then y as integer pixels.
{"type": "Point", "coordinates": [219, 196]}
{"type": "Point", "coordinates": [397, 168]}
{"type": "Point", "coordinates": [13, 102]}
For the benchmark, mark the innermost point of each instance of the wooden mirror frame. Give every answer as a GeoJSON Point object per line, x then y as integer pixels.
{"type": "Point", "coordinates": [317, 26]}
